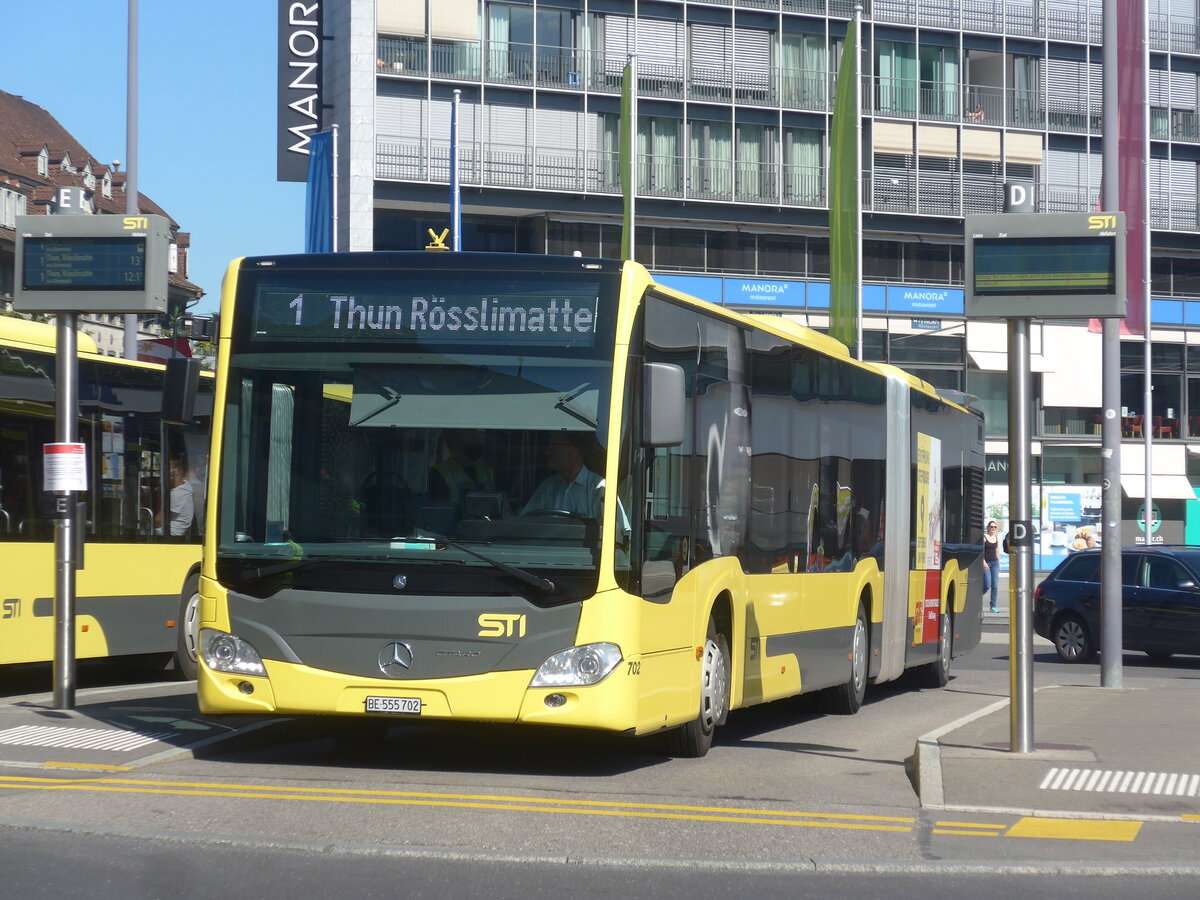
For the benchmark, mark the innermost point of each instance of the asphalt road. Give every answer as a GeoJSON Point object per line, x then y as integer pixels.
{"type": "Point", "coordinates": [788, 802]}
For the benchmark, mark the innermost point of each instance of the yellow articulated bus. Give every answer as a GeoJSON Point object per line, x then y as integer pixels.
{"type": "Point", "coordinates": [516, 488]}
{"type": "Point", "coordinates": [138, 588]}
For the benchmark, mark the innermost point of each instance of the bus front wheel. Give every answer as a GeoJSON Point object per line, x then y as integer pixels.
{"type": "Point", "coordinates": [696, 737]}
{"type": "Point", "coordinates": [187, 628]}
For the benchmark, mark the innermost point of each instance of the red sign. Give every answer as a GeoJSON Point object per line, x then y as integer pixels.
{"type": "Point", "coordinates": [931, 607]}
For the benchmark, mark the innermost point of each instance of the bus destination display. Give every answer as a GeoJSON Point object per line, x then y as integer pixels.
{"type": "Point", "coordinates": [552, 316]}
{"type": "Point", "coordinates": [1045, 265]}
{"type": "Point", "coordinates": [84, 264]}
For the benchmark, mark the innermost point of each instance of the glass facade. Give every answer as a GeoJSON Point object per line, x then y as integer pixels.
{"type": "Point", "coordinates": [734, 107]}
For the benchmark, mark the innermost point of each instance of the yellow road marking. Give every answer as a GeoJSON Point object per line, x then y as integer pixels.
{"type": "Point", "coordinates": [1074, 829]}
{"type": "Point", "coordinates": [1188, 817]}
{"type": "Point", "coordinates": [51, 764]}
{"type": "Point", "coordinates": [970, 825]}
{"type": "Point", "coordinates": [967, 833]}
{"type": "Point", "coordinates": [575, 807]}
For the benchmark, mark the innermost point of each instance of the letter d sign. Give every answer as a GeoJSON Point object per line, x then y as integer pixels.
{"type": "Point", "coordinates": [1019, 197]}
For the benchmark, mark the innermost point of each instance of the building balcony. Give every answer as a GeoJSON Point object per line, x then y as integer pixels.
{"type": "Point", "coordinates": [598, 172]}
{"type": "Point", "coordinates": [935, 191]}
{"type": "Point", "coordinates": [562, 68]}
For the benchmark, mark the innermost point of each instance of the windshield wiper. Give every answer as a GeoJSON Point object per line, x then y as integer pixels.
{"type": "Point", "coordinates": [293, 564]}
{"type": "Point", "coordinates": [537, 581]}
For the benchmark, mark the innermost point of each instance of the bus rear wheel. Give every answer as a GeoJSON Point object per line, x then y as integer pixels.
{"type": "Point", "coordinates": [937, 674]}
{"type": "Point", "coordinates": [846, 699]}
{"type": "Point", "coordinates": [187, 629]}
{"type": "Point", "coordinates": [695, 738]}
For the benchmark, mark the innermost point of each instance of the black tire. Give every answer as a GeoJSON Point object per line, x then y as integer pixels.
{"type": "Point", "coordinates": [1072, 639]}
{"type": "Point", "coordinates": [694, 739]}
{"type": "Point", "coordinates": [846, 699]}
{"type": "Point", "coordinates": [937, 673]}
{"type": "Point", "coordinates": [187, 629]}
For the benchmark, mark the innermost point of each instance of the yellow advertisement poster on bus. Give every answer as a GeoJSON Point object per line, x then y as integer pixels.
{"type": "Point", "coordinates": [929, 503]}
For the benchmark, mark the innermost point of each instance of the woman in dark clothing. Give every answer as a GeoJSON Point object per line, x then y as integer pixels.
{"type": "Point", "coordinates": [991, 562]}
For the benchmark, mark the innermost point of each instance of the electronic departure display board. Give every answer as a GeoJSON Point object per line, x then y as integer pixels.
{"type": "Point", "coordinates": [447, 307]}
{"type": "Point", "coordinates": [83, 263]}
{"type": "Point", "coordinates": [1045, 266]}
{"type": "Point", "coordinates": [91, 263]}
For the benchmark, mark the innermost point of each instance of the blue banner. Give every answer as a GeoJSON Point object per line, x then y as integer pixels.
{"type": "Point", "coordinates": [764, 292]}
{"type": "Point", "coordinates": [706, 287]}
{"type": "Point", "coordinates": [925, 299]}
{"type": "Point", "coordinates": [318, 205]}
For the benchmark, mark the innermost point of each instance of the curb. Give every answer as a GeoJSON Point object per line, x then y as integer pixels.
{"type": "Point", "coordinates": [803, 865]}
{"type": "Point", "coordinates": [927, 756]}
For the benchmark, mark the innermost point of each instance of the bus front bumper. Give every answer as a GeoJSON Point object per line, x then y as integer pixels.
{"type": "Point", "coordinates": [292, 689]}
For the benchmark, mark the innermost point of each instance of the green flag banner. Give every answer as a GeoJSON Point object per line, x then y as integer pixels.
{"type": "Point", "coordinates": [625, 156]}
{"type": "Point", "coordinates": [844, 182]}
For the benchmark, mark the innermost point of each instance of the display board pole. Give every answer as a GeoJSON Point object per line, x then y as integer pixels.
{"type": "Point", "coordinates": [1020, 538]}
{"type": "Point", "coordinates": [65, 432]}
{"type": "Point", "coordinates": [1111, 625]}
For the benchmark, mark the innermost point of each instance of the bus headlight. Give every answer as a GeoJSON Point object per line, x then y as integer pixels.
{"type": "Point", "coordinates": [578, 666]}
{"type": "Point", "coordinates": [225, 653]}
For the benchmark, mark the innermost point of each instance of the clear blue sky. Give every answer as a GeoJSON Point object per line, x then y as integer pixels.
{"type": "Point", "coordinates": [206, 116]}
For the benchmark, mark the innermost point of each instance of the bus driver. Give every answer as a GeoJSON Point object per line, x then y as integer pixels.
{"type": "Point", "coordinates": [571, 487]}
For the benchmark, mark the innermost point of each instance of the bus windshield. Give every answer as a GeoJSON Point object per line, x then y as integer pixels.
{"type": "Point", "coordinates": [484, 449]}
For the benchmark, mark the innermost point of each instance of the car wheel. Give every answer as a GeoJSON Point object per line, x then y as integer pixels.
{"type": "Point", "coordinates": [1072, 640]}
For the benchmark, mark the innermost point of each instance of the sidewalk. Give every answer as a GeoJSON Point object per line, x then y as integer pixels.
{"type": "Point", "coordinates": [1115, 752]}
{"type": "Point", "coordinates": [110, 729]}
{"type": "Point", "coordinates": [1096, 751]}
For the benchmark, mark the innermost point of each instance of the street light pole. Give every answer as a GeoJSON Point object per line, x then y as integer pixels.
{"type": "Point", "coordinates": [130, 320]}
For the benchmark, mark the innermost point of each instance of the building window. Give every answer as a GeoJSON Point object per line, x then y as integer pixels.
{"type": "Point", "coordinates": [659, 165]}
{"type": "Point", "coordinates": [711, 157]}
{"type": "Point", "coordinates": [896, 82]}
{"type": "Point", "coordinates": [12, 204]}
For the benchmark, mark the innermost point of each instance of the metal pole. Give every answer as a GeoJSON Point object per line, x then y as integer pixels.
{"type": "Point", "coordinates": [1112, 628]}
{"type": "Point", "coordinates": [333, 188]}
{"type": "Point", "coordinates": [455, 191]}
{"type": "Point", "coordinates": [131, 161]}
{"type": "Point", "coordinates": [1020, 537]}
{"type": "Point", "coordinates": [65, 432]}
{"type": "Point", "coordinates": [858, 173]}
{"type": "Point", "coordinates": [1148, 434]}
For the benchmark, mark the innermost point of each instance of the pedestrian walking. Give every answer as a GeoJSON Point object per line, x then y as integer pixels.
{"type": "Point", "coordinates": [991, 562]}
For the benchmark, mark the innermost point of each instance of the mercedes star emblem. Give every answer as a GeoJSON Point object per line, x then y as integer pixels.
{"type": "Point", "coordinates": [395, 659]}
{"type": "Point", "coordinates": [400, 582]}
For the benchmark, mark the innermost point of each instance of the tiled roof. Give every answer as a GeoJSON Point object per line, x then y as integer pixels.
{"type": "Point", "coordinates": [24, 129]}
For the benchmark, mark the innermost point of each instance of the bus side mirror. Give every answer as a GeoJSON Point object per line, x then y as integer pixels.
{"type": "Point", "coordinates": [663, 403]}
{"type": "Point", "coordinates": [179, 390]}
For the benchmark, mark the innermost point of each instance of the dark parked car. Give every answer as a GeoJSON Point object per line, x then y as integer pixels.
{"type": "Point", "coordinates": [1160, 599]}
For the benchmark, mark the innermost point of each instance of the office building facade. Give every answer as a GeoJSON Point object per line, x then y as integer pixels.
{"type": "Point", "coordinates": [734, 104]}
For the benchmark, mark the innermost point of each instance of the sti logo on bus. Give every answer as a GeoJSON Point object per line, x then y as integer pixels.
{"type": "Point", "coordinates": [1098, 223]}
{"type": "Point", "coordinates": [501, 625]}
{"type": "Point", "coordinates": [135, 223]}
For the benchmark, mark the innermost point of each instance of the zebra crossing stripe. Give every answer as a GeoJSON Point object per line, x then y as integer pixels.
{"type": "Point", "coordinates": [1118, 781]}
{"type": "Point", "coordinates": [80, 738]}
